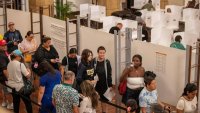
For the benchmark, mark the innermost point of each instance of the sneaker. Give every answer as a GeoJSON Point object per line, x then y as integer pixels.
{"type": "Point", "coordinates": [10, 106]}
{"type": "Point", "coordinates": [4, 104]}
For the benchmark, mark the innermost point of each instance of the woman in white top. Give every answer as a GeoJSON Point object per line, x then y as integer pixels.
{"type": "Point", "coordinates": [134, 75]}
{"type": "Point", "coordinates": [188, 101]}
{"type": "Point", "coordinates": [90, 98]}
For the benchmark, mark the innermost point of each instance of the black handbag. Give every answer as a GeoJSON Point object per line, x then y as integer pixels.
{"type": "Point", "coordinates": [28, 87]}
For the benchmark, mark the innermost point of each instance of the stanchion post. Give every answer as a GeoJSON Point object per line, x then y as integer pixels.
{"type": "Point", "coordinates": [67, 35]}
{"type": "Point", "coordinates": [197, 69]}
{"type": "Point", "coordinates": [78, 34]}
{"type": "Point", "coordinates": [128, 45]}
{"type": "Point", "coordinates": [188, 64]}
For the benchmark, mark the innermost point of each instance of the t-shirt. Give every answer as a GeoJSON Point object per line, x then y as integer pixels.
{"type": "Point", "coordinates": [49, 81]}
{"type": "Point", "coordinates": [86, 106]}
{"type": "Point", "coordinates": [4, 62]}
{"type": "Point", "coordinates": [65, 98]}
{"type": "Point", "coordinates": [15, 70]}
{"type": "Point", "coordinates": [187, 106]}
{"type": "Point", "coordinates": [177, 45]}
{"type": "Point", "coordinates": [112, 30]}
{"type": "Point", "coordinates": [72, 64]}
{"type": "Point", "coordinates": [146, 98]}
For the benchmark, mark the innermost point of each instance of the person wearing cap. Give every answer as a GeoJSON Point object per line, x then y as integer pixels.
{"type": "Point", "coordinates": [13, 37]}
{"type": "Point", "coordinates": [16, 70]}
{"type": "Point", "coordinates": [4, 74]}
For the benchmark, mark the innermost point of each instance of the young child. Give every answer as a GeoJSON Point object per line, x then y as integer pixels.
{"type": "Point", "coordinates": [90, 98]}
{"type": "Point", "coordinates": [131, 106]}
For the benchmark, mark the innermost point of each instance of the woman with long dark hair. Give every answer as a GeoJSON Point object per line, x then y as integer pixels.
{"type": "Point", "coordinates": [51, 78]}
{"type": "Point", "coordinates": [188, 101]}
{"type": "Point", "coordinates": [134, 75]}
{"type": "Point", "coordinates": [86, 69]}
{"type": "Point", "coordinates": [90, 98]}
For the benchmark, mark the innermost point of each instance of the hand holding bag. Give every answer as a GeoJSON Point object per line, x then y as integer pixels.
{"type": "Point", "coordinates": [122, 87]}
{"type": "Point", "coordinates": [28, 87]}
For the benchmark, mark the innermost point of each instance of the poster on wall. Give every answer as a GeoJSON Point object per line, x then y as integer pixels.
{"type": "Point", "coordinates": [58, 34]}
{"type": "Point", "coordinates": [160, 67]}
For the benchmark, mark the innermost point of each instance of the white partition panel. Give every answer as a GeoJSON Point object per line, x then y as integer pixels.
{"type": "Point", "coordinates": [172, 23]}
{"type": "Point", "coordinates": [176, 11]}
{"type": "Point", "coordinates": [139, 3]}
{"type": "Point", "coordinates": [190, 13]}
{"type": "Point", "coordinates": [168, 64]}
{"type": "Point", "coordinates": [161, 36]}
{"type": "Point", "coordinates": [192, 26]}
{"type": "Point", "coordinates": [84, 10]}
{"type": "Point", "coordinates": [56, 29]}
{"type": "Point", "coordinates": [96, 12]}
{"type": "Point", "coordinates": [158, 19]}
{"type": "Point", "coordinates": [109, 21]}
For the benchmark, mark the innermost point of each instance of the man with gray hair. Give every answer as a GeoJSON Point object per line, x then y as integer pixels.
{"type": "Point", "coordinates": [66, 98]}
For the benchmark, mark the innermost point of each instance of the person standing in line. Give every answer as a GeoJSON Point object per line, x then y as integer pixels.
{"type": "Point", "coordinates": [47, 52]}
{"type": "Point", "coordinates": [4, 75]}
{"type": "Point", "coordinates": [28, 46]}
{"type": "Point", "coordinates": [16, 70]}
{"type": "Point", "coordinates": [86, 69]}
{"type": "Point", "coordinates": [90, 98]}
{"type": "Point", "coordinates": [134, 75]}
{"type": "Point", "coordinates": [104, 72]}
{"type": "Point", "coordinates": [149, 95]}
{"type": "Point", "coordinates": [188, 101]}
{"type": "Point", "coordinates": [51, 78]}
{"type": "Point", "coordinates": [13, 37]}
{"type": "Point", "coordinates": [64, 97]}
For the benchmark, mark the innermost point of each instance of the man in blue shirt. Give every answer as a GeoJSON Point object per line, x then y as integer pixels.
{"type": "Point", "coordinates": [149, 96]}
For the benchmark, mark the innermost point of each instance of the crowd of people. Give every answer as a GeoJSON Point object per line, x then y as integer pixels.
{"type": "Point", "coordinates": [76, 83]}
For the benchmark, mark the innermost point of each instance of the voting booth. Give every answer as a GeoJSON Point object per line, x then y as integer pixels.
{"type": "Point", "coordinates": [109, 21]}
{"type": "Point", "coordinates": [161, 36]}
{"type": "Point", "coordinates": [190, 13]}
{"type": "Point", "coordinates": [176, 11]}
{"type": "Point", "coordinates": [95, 11]}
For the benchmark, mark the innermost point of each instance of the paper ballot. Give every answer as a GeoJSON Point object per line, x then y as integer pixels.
{"type": "Point", "coordinates": [109, 94]}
